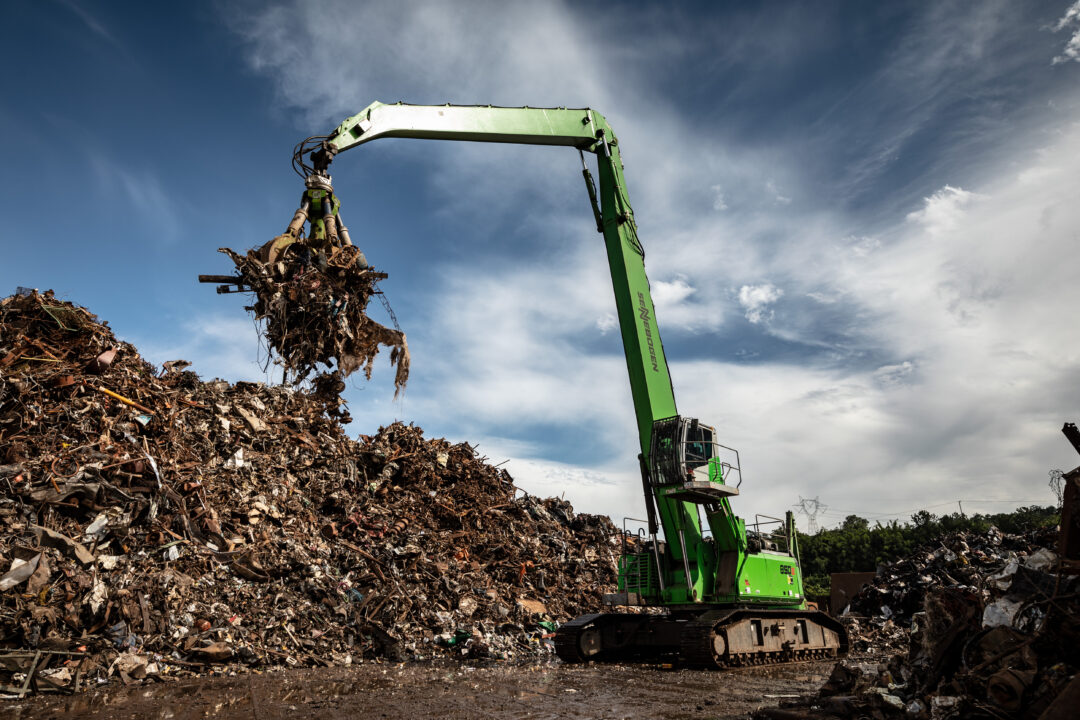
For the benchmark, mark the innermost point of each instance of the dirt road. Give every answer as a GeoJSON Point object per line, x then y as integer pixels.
{"type": "Point", "coordinates": [450, 692]}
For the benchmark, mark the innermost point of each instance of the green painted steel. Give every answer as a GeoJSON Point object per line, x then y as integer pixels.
{"type": "Point", "coordinates": [478, 123]}
{"type": "Point", "coordinates": [585, 130]}
{"type": "Point", "coordinates": [318, 226]}
{"type": "Point", "coordinates": [721, 570]}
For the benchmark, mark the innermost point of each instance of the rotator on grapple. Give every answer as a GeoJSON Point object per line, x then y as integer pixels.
{"type": "Point", "coordinates": [320, 208]}
{"type": "Point", "coordinates": [312, 290]}
{"type": "Point", "coordinates": [733, 594]}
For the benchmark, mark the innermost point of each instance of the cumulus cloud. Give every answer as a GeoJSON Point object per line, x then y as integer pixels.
{"type": "Point", "coordinates": [969, 298]}
{"type": "Point", "coordinates": [671, 293]}
{"type": "Point", "coordinates": [680, 306]}
{"type": "Point", "coordinates": [943, 210]}
{"type": "Point", "coordinates": [606, 323]}
{"type": "Point", "coordinates": [756, 299]}
{"type": "Point", "coordinates": [221, 346]}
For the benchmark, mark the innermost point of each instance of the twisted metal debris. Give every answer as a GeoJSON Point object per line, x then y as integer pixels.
{"type": "Point", "coordinates": [152, 523]}
{"type": "Point", "coordinates": [977, 625]}
{"type": "Point", "coordinates": [313, 310]}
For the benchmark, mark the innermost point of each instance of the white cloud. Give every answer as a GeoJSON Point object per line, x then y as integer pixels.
{"type": "Point", "coordinates": [893, 375]}
{"type": "Point", "coordinates": [756, 299]}
{"type": "Point", "coordinates": [1071, 50]}
{"type": "Point", "coordinates": [138, 194]}
{"type": "Point", "coordinates": [668, 294]}
{"type": "Point", "coordinates": [606, 323]}
{"type": "Point", "coordinates": [537, 54]}
{"type": "Point", "coordinates": [490, 354]}
{"type": "Point", "coordinates": [822, 298]}
{"type": "Point", "coordinates": [680, 306]}
{"type": "Point", "coordinates": [905, 110]}
{"type": "Point", "coordinates": [218, 345]}
{"type": "Point", "coordinates": [863, 246]}
{"type": "Point", "coordinates": [956, 313]}
{"type": "Point", "coordinates": [943, 210]}
{"type": "Point", "coordinates": [591, 491]}
{"type": "Point", "coordinates": [970, 298]}
{"type": "Point", "coordinates": [719, 202]}
{"type": "Point", "coordinates": [778, 198]}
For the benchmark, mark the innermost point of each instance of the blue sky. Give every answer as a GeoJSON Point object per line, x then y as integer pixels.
{"type": "Point", "coordinates": [859, 218]}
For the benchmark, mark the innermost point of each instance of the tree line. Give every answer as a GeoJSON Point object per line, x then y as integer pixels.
{"type": "Point", "coordinates": [858, 546]}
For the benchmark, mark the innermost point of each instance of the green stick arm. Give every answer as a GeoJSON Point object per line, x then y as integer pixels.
{"type": "Point", "coordinates": [478, 123]}
{"type": "Point", "coordinates": [585, 130]}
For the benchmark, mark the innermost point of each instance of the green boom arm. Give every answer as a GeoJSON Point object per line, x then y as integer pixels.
{"type": "Point", "coordinates": [587, 131]}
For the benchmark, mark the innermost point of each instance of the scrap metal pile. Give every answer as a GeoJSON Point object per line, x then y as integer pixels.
{"type": "Point", "coordinates": [312, 305]}
{"type": "Point", "coordinates": [978, 626]}
{"type": "Point", "coordinates": [153, 523]}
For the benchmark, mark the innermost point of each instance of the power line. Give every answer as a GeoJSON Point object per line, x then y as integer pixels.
{"type": "Point", "coordinates": [838, 513]}
{"type": "Point", "coordinates": [866, 513]}
{"type": "Point", "coordinates": [928, 507]}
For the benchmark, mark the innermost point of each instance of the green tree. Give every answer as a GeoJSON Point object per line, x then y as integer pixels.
{"type": "Point", "coordinates": [855, 546]}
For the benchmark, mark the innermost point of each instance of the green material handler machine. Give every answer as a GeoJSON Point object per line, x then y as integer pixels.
{"type": "Point", "coordinates": [731, 595]}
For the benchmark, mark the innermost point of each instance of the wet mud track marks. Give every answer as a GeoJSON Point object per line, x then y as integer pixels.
{"type": "Point", "coordinates": [447, 692]}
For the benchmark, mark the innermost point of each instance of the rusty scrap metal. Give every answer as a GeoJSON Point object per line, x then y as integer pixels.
{"type": "Point", "coordinates": [36, 674]}
{"type": "Point", "coordinates": [974, 625]}
{"type": "Point", "coordinates": [240, 525]}
{"type": "Point", "coordinates": [1069, 545]}
{"type": "Point", "coordinates": [312, 303]}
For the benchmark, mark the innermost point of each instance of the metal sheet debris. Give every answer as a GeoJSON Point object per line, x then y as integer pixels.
{"type": "Point", "coordinates": [239, 526]}
{"type": "Point", "coordinates": [972, 626]}
{"type": "Point", "coordinates": [312, 304]}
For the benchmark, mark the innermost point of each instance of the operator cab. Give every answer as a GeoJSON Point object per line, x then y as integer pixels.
{"type": "Point", "coordinates": [688, 464]}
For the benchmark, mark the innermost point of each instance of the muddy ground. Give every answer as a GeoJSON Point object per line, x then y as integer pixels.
{"type": "Point", "coordinates": [449, 692]}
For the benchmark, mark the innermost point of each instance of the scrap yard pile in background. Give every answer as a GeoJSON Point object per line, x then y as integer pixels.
{"type": "Point", "coordinates": [153, 523]}
{"type": "Point", "coordinates": [974, 626]}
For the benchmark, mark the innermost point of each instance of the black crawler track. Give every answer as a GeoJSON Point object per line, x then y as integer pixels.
{"type": "Point", "coordinates": [699, 648]}
{"type": "Point", "coordinates": [568, 638]}
{"type": "Point", "coordinates": [700, 640]}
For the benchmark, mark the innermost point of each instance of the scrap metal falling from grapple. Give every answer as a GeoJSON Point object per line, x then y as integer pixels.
{"type": "Point", "coordinates": [311, 294]}
{"type": "Point", "coordinates": [733, 594]}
